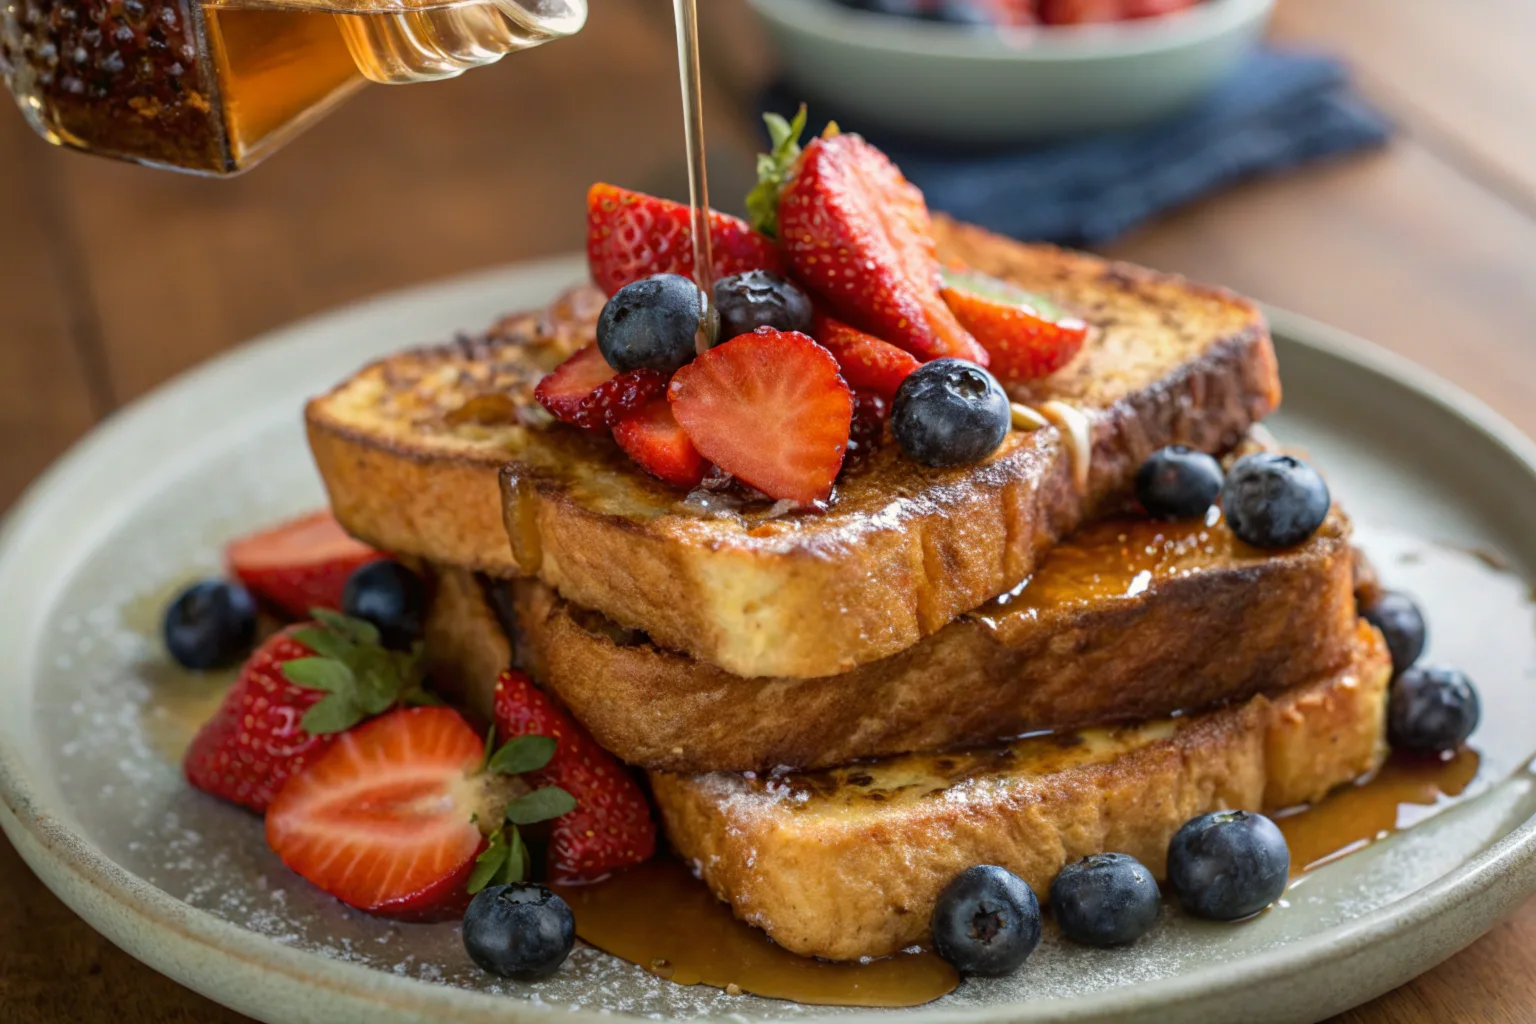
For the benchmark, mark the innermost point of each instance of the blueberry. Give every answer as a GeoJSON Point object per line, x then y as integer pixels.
{"type": "Point", "coordinates": [1178, 482]}
{"type": "Point", "coordinates": [1228, 865]}
{"type": "Point", "coordinates": [210, 624]}
{"type": "Point", "coordinates": [519, 931]}
{"type": "Point", "coordinates": [391, 597]}
{"type": "Point", "coordinates": [760, 299]}
{"type": "Point", "coordinates": [1274, 501]}
{"type": "Point", "coordinates": [1105, 899]}
{"type": "Point", "coordinates": [1431, 710]}
{"type": "Point", "coordinates": [1401, 622]}
{"type": "Point", "coordinates": [987, 921]}
{"type": "Point", "coordinates": [949, 412]}
{"type": "Point", "coordinates": [653, 322]}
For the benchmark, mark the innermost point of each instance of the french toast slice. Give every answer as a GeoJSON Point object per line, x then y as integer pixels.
{"type": "Point", "coordinates": [1127, 619]}
{"type": "Point", "coordinates": [406, 449]}
{"type": "Point", "coordinates": [848, 863]}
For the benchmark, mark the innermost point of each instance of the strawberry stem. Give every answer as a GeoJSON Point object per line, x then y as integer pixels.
{"type": "Point", "coordinates": [773, 169]}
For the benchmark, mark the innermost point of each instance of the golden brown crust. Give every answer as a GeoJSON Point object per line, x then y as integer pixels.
{"type": "Point", "coordinates": [901, 552]}
{"type": "Point", "coordinates": [848, 863]}
{"type": "Point", "coordinates": [1128, 619]}
{"type": "Point", "coordinates": [903, 549]}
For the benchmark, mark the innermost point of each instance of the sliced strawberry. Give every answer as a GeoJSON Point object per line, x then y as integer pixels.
{"type": "Point", "coordinates": [565, 390]}
{"type": "Point", "coordinates": [1026, 335]}
{"type": "Point", "coordinates": [631, 235]}
{"type": "Point", "coordinates": [293, 694]}
{"type": "Point", "coordinates": [771, 409]}
{"type": "Point", "coordinates": [858, 234]}
{"type": "Point", "coordinates": [616, 398]}
{"type": "Point", "coordinates": [298, 565]}
{"type": "Point", "coordinates": [386, 819]}
{"type": "Point", "coordinates": [866, 361]}
{"type": "Point", "coordinates": [652, 437]}
{"type": "Point", "coordinates": [611, 827]}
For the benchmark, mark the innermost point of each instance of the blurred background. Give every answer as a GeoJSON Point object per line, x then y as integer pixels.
{"type": "Point", "coordinates": [1400, 205]}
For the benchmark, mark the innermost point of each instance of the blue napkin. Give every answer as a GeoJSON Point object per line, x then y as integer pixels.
{"type": "Point", "coordinates": [1278, 110]}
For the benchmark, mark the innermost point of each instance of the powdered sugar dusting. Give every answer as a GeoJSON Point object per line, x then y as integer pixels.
{"type": "Point", "coordinates": [110, 710]}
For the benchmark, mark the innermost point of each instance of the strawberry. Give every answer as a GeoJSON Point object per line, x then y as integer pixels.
{"type": "Point", "coordinates": [613, 399]}
{"type": "Point", "coordinates": [1080, 12]}
{"type": "Point", "coordinates": [565, 390]}
{"type": "Point", "coordinates": [858, 234]}
{"type": "Point", "coordinates": [866, 361]}
{"type": "Point", "coordinates": [1026, 335]}
{"type": "Point", "coordinates": [631, 235]}
{"type": "Point", "coordinates": [392, 818]}
{"type": "Point", "coordinates": [298, 565]}
{"type": "Point", "coordinates": [294, 693]}
{"type": "Point", "coordinates": [651, 436]}
{"type": "Point", "coordinates": [1152, 8]}
{"type": "Point", "coordinates": [611, 826]}
{"type": "Point", "coordinates": [770, 409]}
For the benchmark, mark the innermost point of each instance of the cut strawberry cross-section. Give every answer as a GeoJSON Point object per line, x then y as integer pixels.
{"type": "Point", "coordinates": [866, 361]}
{"type": "Point", "coordinates": [858, 234]}
{"type": "Point", "coordinates": [771, 409]}
{"type": "Point", "coordinates": [631, 235]}
{"type": "Point", "coordinates": [1026, 335]}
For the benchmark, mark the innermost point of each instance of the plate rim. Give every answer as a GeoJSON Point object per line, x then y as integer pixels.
{"type": "Point", "coordinates": [67, 860]}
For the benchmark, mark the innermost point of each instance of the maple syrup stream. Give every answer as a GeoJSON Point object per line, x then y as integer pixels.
{"type": "Point", "coordinates": [687, 16]}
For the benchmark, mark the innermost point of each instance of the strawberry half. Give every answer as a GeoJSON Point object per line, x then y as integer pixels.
{"type": "Point", "coordinates": [652, 437]}
{"type": "Point", "coordinates": [771, 409]}
{"type": "Point", "coordinates": [1026, 335]}
{"type": "Point", "coordinates": [631, 235]}
{"type": "Point", "coordinates": [611, 827]}
{"type": "Point", "coordinates": [386, 819]}
{"type": "Point", "coordinates": [866, 361]}
{"type": "Point", "coordinates": [858, 234]}
{"type": "Point", "coordinates": [298, 565]}
{"type": "Point", "coordinates": [294, 693]}
{"type": "Point", "coordinates": [564, 390]}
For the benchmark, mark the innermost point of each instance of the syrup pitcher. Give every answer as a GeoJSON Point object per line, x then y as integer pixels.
{"type": "Point", "coordinates": [214, 87]}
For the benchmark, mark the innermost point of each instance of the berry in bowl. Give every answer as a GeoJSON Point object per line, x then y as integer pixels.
{"type": "Point", "coordinates": [998, 71]}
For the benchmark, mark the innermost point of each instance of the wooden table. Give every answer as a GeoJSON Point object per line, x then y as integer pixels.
{"type": "Point", "coordinates": [113, 278]}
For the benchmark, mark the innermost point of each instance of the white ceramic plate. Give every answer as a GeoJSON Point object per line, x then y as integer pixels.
{"type": "Point", "coordinates": [92, 797]}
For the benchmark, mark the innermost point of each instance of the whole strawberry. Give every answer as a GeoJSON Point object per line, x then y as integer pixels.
{"type": "Point", "coordinates": [297, 691]}
{"type": "Point", "coordinates": [858, 234]}
{"type": "Point", "coordinates": [611, 826]}
{"type": "Point", "coordinates": [631, 235]}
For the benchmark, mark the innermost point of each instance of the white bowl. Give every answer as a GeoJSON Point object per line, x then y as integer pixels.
{"type": "Point", "coordinates": [961, 84]}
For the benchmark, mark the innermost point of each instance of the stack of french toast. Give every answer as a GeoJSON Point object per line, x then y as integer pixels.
{"type": "Point", "coordinates": [841, 701]}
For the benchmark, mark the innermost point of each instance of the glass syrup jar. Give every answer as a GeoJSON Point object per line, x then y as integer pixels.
{"type": "Point", "coordinates": [213, 87]}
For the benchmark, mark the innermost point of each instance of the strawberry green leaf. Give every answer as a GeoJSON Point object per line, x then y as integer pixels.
{"type": "Point", "coordinates": [516, 869]}
{"type": "Point", "coordinates": [320, 674]}
{"type": "Point", "coordinates": [773, 168]}
{"type": "Point", "coordinates": [356, 630]}
{"type": "Point", "coordinates": [335, 713]}
{"type": "Point", "coordinates": [324, 643]}
{"type": "Point", "coordinates": [540, 805]}
{"type": "Point", "coordinates": [488, 864]}
{"type": "Point", "coordinates": [378, 678]}
{"type": "Point", "coordinates": [523, 754]}
{"type": "Point", "coordinates": [490, 748]}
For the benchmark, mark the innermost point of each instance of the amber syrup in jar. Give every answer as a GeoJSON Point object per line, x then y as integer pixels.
{"type": "Point", "coordinates": [213, 88]}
